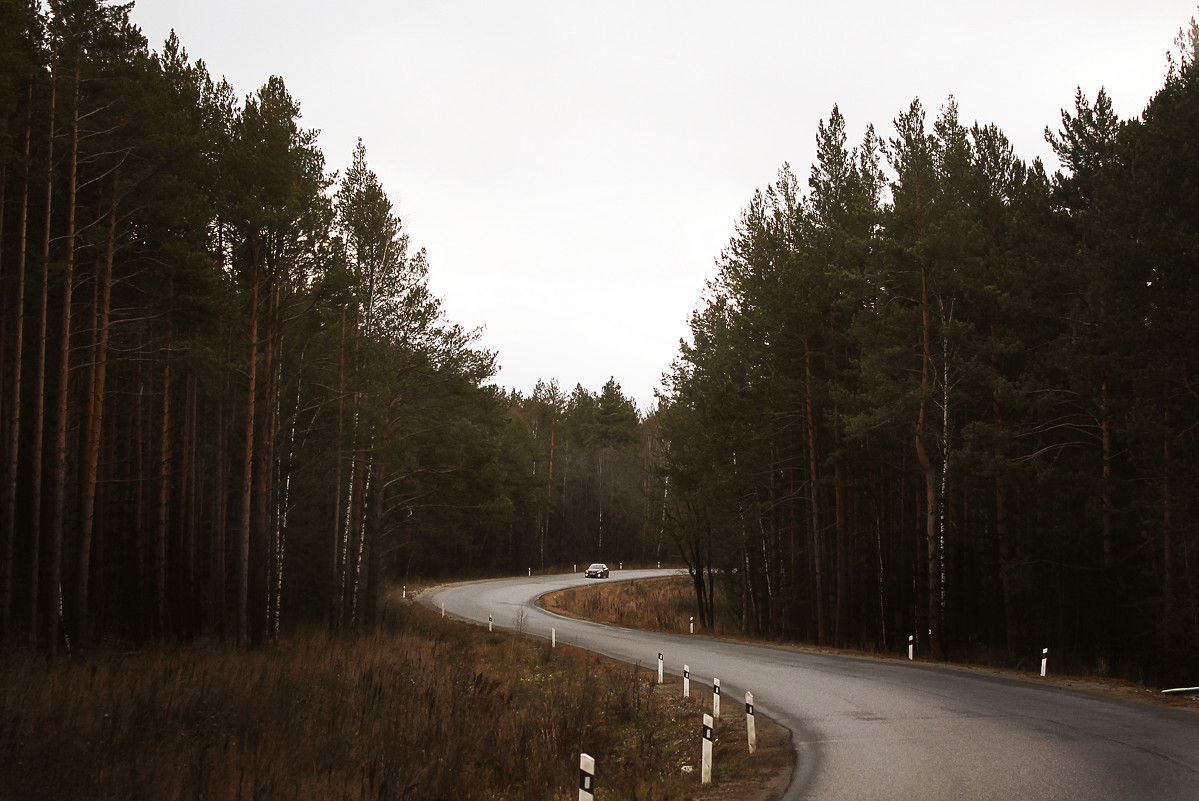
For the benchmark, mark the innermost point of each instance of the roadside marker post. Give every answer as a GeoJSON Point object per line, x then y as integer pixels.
{"type": "Point", "coordinates": [553, 638]}
{"type": "Point", "coordinates": [705, 773]}
{"type": "Point", "coordinates": [1044, 662]}
{"type": "Point", "coordinates": [716, 699]}
{"type": "Point", "coordinates": [586, 777]}
{"type": "Point", "coordinates": [530, 572]}
{"type": "Point", "coordinates": [691, 626]}
{"type": "Point", "coordinates": [911, 647]}
{"type": "Point", "coordinates": [749, 722]}
{"type": "Point", "coordinates": [686, 681]}
{"type": "Point", "coordinates": [405, 595]}
{"type": "Point", "coordinates": [489, 629]}
{"type": "Point", "coordinates": [659, 667]}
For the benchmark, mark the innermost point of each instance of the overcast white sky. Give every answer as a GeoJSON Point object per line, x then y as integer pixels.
{"type": "Point", "coordinates": [574, 169]}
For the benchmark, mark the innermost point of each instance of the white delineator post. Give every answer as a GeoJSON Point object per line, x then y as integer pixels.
{"type": "Point", "coordinates": [716, 698]}
{"type": "Point", "coordinates": [659, 667]}
{"type": "Point", "coordinates": [705, 771]}
{"type": "Point", "coordinates": [405, 595]}
{"type": "Point", "coordinates": [586, 777]}
{"type": "Point", "coordinates": [691, 626]}
{"type": "Point", "coordinates": [749, 722]}
{"type": "Point", "coordinates": [1044, 661]}
{"type": "Point", "coordinates": [553, 638]}
{"type": "Point", "coordinates": [911, 647]}
{"type": "Point", "coordinates": [686, 681]}
{"type": "Point", "coordinates": [443, 610]}
{"type": "Point", "coordinates": [489, 623]}
{"type": "Point", "coordinates": [530, 572]}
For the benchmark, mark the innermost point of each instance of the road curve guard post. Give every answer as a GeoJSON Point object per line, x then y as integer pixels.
{"type": "Point", "coordinates": [659, 667]}
{"type": "Point", "coordinates": [750, 732]}
{"type": "Point", "coordinates": [686, 681]}
{"type": "Point", "coordinates": [716, 699]}
{"type": "Point", "coordinates": [586, 777]}
{"type": "Point", "coordinates": [489, 629]}
{"type": "Point", "coordinates": [691, 626]}
{"type": "Point", "coordinates": [705, 771]}
{"type": "Point", "coordinates": [911, 647]}
{"type": "Point", "coordinates": [1044, 662]}
{"type": "Point", "coordinates": [553, 637]}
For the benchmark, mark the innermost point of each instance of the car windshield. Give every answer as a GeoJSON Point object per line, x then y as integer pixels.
{"type": "Point", "coordinates": [596, 567]}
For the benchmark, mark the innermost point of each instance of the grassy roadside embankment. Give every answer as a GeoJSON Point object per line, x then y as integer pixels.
{"type": "Point", "coordinates": [421, 709]}
{"type": "Point", "coordinates": [658, 604]}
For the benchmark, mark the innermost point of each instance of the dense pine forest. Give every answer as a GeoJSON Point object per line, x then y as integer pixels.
{"type": "Point", "coordinates": [936, 391]}
{"type": "Point", "coordinates": [940, 392]}
{"type": "Point", "coordinates": [230, 401]}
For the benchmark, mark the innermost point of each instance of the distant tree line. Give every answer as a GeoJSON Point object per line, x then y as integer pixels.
{"type": "Point", "coordinates": [940, 392]}
{"type": "Point", "coordinates": [230, 401]}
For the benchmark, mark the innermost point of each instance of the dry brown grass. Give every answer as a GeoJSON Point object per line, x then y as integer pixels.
{"type": "Point", "coordinates": [659, 604]}
{"type": "Point", "coordinates": [423, 709]}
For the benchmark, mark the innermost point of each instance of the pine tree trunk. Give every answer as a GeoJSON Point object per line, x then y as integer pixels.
{"type": "Point", "coordinates": [247, 481]}
{"type": "Point", "coordinates": [1109, 504]}
{"type": "Point", "coordinates": [266, 452]}
{"type": "Point", "coordinates": [814, 504]}
{"type": "Point", "coordinates": [94, 418]}
{"type": "Point", "coordinates": [189, 487]}
{"type": "Point", "coordinates": [943, 542]}
{"type": "Point", "coordinates": [218, 608]}
{"type": "Point", "coordinates": [282, 515]}
{"type": "Point", "coordinates": [13, 438]}
{"type": "Point", "coordinates": [7, 414]}
{"type": "Point", "coordinates": [363, 534]}
{"type": "Point", "coordinates": [39, 382]}
{"type": "Point", "coordinates": [374, 556]}
{"type": "Point", "coordinates": [931, 534]}
{"type": "Point", "coordinates": [1166, 625]}
{"type": "Point", "coordinates": [340, 450]}
{"type": "Point", "coordinates": [347, 532]}
{"type": "Point", "coordinates": [141, 483]}
{"type": "Point", "coordinates": [161, 529]}
{"type": "Point", "coordinates": [842, 631]}
{"type": "Point", "coordinates": [58, 508]}
{"type": "Point", "coordinates": [1003, 532]}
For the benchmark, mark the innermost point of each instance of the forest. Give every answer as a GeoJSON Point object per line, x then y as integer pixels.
{"type": "Point", "coordinates": [935, 391]}
{"type": "Point", "coordinates": [941, 393]}
{"type": "Point", "coordinates": [230, 401]}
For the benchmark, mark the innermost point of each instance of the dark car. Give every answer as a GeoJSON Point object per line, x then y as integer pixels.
{"type": "Point", "coordinates": [597, 570]}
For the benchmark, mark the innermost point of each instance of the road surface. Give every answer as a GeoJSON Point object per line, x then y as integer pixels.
{"type": "Point", "coordinates": [889, 729]}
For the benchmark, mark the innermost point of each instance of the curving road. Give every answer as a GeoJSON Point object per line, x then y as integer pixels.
{"type": "Point", "coordinates": [879, 729]}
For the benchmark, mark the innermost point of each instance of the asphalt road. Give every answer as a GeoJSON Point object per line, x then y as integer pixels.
{"type": "Point", "coordinates": [889, 729]}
